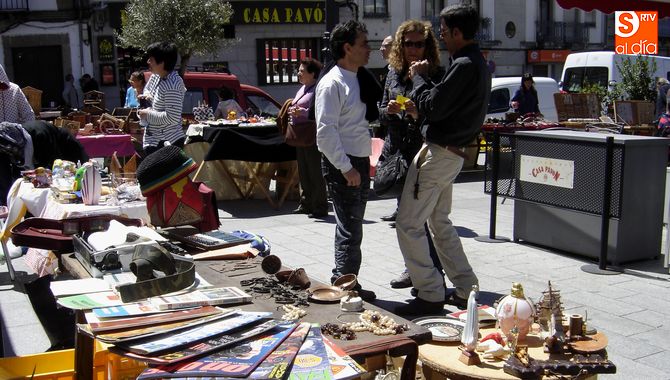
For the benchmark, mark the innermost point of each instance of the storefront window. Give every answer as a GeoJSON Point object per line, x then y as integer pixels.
{"type": "Point", "coordinates": [281, 58]}
{"type": "Point", "coordinates": [375, 8]}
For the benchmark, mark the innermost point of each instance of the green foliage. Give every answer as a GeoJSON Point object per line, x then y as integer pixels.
{"type": "Point", "coordinates": [637, 78]}
{"type": "Point", "coordinates": [605, 98]}
{"type": "Point", "coordinates": [195, 26]}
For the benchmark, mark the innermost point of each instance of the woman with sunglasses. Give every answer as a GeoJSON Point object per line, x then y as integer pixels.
{"type": "Point", "coordinates": [414, 41]}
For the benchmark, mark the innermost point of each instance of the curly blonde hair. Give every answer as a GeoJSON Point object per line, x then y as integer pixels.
{"type": "Point", "coordinates": [431, 52]}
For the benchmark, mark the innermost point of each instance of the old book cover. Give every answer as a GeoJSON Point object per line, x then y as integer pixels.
{"type": "Point", "coordinates": [172, 341]}
{"type": "Point", "coordinates": [97, 325]}
{"type": "Point", "coordinates": [341, 364]}
{"type": "Point", "coordinates": [276, 365]}
{"type": "Point", "coordinates": [312, 360]}
{"type": "Point", "coordinates": [127, 310]}
{"type": "Point", "coordinates": [214, 296]}
{"type": "Point", "coordinates": [139, 332]}
{"type": "Point", "coordinates": [234, 360]}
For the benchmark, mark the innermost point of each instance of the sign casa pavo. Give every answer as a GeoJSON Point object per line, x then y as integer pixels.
{"type": "Point", "coordinates": [278, 12]}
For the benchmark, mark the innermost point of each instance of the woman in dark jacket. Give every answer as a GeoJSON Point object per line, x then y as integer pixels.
{"type": "Point", "coordinates": [414, 41]}
{"type": "Point", "coordinates": [525, 98]}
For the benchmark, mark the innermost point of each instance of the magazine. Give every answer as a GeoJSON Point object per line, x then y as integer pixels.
{"type": "Point", "coordinates": [127, 310]}
{"type": "Point", "coordinates": [276, 365]}
{"type": "Point", "coordinates": [118, 336]}
{"type": "Point", "coordinates": [97, 325]}
{"type": "Point", "coordinates": [213, 296]}
{"type": "Point", "coordinates": [90, 301]}
{"type": "Point", "coordinates": [341, 364]}
{"type": "Point", "coordinates": [81, 286]}
{"type": "Point", "coordinates": [236, 360]}
{"type": "Point", "coordinates": [312, 360]}
{"type": "Point", "coordinates": [165, 342]}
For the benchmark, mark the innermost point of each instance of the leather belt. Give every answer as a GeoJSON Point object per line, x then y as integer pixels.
{"type": "Point", "coordinates": [457, 151]}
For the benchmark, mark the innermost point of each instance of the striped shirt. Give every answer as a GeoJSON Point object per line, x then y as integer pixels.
{"type": "Point", "coordinates": [164, 116]}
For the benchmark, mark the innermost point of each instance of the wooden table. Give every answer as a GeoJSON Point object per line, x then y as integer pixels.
{"type": "Point", "coordinates": [321, 313]}
{"type": "Point", "coordinates": [440, 360]}
{"type": "Point", "coordinates": [238, 162]}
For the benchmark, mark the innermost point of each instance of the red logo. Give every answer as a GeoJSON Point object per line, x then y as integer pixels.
{"type": "Point", "coordinates": [636, 32]}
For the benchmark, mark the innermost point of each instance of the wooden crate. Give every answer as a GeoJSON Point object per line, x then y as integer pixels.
{"type": "Point", "coordinates": [634, 112]}
{"type": "Point", "coordinates": [579, 106]}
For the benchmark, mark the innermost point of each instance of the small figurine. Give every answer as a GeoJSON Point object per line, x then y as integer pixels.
{"type": "Point", "coordinates": [471, 331]}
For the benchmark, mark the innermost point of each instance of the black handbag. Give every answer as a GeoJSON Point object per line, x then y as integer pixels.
{"type": "Point", "coordinates": [390, 176]}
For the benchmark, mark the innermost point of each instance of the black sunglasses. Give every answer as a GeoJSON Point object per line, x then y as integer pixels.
{"type": "Point", "coordinates": [416, 44]}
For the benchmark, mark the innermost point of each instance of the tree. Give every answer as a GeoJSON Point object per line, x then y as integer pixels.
{"type": "Point", "coordinates": [195, 26]}
{"type": "Point", "coordinates": [637, 81]}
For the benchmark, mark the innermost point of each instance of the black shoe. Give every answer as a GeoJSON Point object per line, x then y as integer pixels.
{"type": "Point", "coordinates": [402, 281]}
{"type": "Point", "coordinates": [418, 306]}
{"type": "Point", "coordinates": [453, 299]}
{"type": "Point", "coordinates": [366, 295]}
{"type": "Point", "coordinates": [390, 218]}
{"type": "Point", "coordinates": [301, 210]}
{"type": "Point", "coordinates": [318, 215]}
{"type": "Point", "coordinates": [414, 292]}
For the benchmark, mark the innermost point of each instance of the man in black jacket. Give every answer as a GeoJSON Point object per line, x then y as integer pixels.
{"type": "Point", "coordinates": [454, 109]}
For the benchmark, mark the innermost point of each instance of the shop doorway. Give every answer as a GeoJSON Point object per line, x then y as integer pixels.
{"type": "Point", "coordinates": [40, 67]}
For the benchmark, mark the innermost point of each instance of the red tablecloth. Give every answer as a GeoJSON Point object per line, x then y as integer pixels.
{"type": "Point", "coordinates": [106, 145]}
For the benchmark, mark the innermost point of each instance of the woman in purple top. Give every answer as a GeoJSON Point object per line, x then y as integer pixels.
{"type": "Point", "coordinates": [313, 198]}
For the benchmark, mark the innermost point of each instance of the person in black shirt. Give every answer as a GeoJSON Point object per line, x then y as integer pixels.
{"type": "Point", "coordinates": [525, 98]}
{"type": "Point", "coordinates": [454, 110]}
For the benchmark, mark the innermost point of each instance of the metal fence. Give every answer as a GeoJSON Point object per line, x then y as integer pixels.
{"type": "Point", "coordinates": [590, 172]}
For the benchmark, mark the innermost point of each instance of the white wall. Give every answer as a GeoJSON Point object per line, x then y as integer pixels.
{"type": "Point", "coordinates": [71, 29]}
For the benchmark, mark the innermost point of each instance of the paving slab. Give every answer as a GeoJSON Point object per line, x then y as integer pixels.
{"type": "Point", "coordinates": [629, 307]}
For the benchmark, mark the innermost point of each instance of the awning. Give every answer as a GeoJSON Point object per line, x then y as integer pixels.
{"type": "Point", "coordinates": [609, 6]}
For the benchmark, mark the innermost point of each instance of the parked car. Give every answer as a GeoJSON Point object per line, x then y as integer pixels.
{"type": "Point", "coordinates": [204, 87]}
{"type": "Point", "coordinates": [502, 90]}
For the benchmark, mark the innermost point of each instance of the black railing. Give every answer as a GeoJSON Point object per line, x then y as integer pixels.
{"type": "Point", "coordinates": [562, 34]}
{"type": "Point", "coordinates": [13, 5]}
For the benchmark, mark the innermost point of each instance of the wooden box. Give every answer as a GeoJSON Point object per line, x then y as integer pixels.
{"type": "Point", "coordinates": [634, 112]}
{"type": "Point", "coordinates": [580, 106]}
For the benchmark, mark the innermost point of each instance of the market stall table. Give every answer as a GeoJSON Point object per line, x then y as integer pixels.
{"type": "Point", "coordinates": [40, 203]}
{"type": "Point", "coordinates": [374, 346]}
{"type": "Point", "coordinates": [238, 162]}
{"type": "Point", "coordinates": [106, 145]}
{"type": "Point", "coordinates": [440, 360]}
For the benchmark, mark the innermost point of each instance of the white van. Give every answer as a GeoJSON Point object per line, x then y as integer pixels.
{"type": "Point", "coordinates": [503, 89]}
{"type": "Point", "coordinates": [601, 67]}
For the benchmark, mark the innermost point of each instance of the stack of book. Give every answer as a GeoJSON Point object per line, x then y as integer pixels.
{"type": "Point", "coordinates": [208, 341]}
{"type": "Point", "coordinates": [185, 335]}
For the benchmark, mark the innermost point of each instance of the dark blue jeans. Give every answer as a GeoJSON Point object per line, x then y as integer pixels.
{"type": "Point", "coordinates": [349, 205]}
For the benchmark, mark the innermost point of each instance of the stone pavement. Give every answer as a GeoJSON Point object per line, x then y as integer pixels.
{"type": "Point", "coordinates": [630, 308]}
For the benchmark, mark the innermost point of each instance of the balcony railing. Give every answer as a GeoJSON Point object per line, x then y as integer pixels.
{"type": "Point", "coordinates": [562, 34]}
{"type": "Point", "coordinates": [13, 5]}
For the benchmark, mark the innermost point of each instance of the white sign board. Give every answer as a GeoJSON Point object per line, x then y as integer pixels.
{"type": "Point", "coordinates": [547, 171]}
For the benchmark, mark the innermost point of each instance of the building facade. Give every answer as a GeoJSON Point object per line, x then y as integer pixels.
{"type": "Point", "coordinates": [43, 40]}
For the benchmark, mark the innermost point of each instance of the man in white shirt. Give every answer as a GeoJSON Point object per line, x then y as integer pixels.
{"type": "Point", "coordinates": [343, 138]}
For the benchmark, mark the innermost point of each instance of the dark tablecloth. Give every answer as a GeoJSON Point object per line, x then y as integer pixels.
{"type": "Point", "coordinates": [255, 144]}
